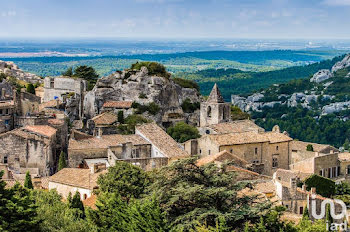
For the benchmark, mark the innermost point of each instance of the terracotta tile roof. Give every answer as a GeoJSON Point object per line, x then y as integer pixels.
{"type": "Point", "coordinates": [44, 130]}
{"type": "Point", "coordinates": [301, 146]}
{"type": "Point", "coordinates": [221, 157]}
{"type": "Point", "coordinates": [106, 118]}
{"type": "Point", "coordinates": [55, 121]}
{"type": "Point", "coordinates": [105, 141]}
{"type": "Point", "coordinates": [117, 104]}
{"type": "Point", "coordinates": [160, 139]}
{"type": "Point", "coordinates": [77, 177]}
{"type": "Point", "coordinates": [11, 182]}
{"type": "Point", "coordinates": [276, 137]}
{"type": "Point", "coordinates": [238, 138]}
{"type": "Point", "coordinates": [285, 175]}
{"type": "Point", "coordinates": [50, 104]}
{"type": "Point", "coordinates": [91, 201]}
{"type": "Point", "coordinates": [238, 126]}
{"type": "Point", "coordinates": [44, 182]}
{"type": "Point", "coordinates": [344, 156]}
{"type": "Point", "coordinates": [265, 187]}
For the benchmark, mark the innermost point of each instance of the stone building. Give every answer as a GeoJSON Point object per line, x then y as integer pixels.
{"type": "Point", "coordinates": [299, 150]}
{"type": "Point", "coordinates": [214, 110]}
{"type": "Point", "coordinates": [72, 180]}
{"type": "Point", "coordinates": [326, 165]}
{"type": "Point", "coordinates": [116, 106]}
{"type": "Point", "coordinates": [7, 106]}
{"type": "Point", "coordinates": [103, 124]}
{"type": "Point", "coordinates": [31, 148]}
{"type": "Point", "coordinates": [265, 152]}
{"type": "Point", "coordinates": [238, 126]}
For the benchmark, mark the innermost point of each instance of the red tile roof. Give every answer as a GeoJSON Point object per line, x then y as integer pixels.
{"type": "Point", "coordinates": [45, 130]}
{"type": "Point", "coordinates": [106, 118]}
{"type": "Point", "coordinates": [118, 104]}
{"type": "Point", "coordinates": [221, 156]}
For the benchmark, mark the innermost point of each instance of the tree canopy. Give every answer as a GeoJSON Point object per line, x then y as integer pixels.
{"type": "Point", "coordinates": [154, 68]}
{"type": "Point", "coordinates": [182, 132]}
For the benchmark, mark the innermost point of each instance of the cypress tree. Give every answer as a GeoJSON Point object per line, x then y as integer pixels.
{"type": "Point", "coordinates": [76, 202]}
{"type": "Point", "coordinates": [62, 161]}
{"type": "Point", "coordinates": [305, 214]}
{"type": "Point", "coordinates": [329, 218]}
{"type": "Point", "coordinates": [121, 117]}
{"type": "Point", "coordinates": [28, 181]}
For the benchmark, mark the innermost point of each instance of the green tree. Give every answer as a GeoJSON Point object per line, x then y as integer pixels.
{"type": "Point", "coordinates": [306, 214]}
{"type": "Point", "coordinates": [17, 209]}
{"type": "Point", "coordinates": [329, 218]}
{"type": "Point", "coordinates": [182, 132]}
{"type": "Point", "coordinates": [125, 179]}
{"type": "Point", "coordinates": [30, 88]}
{"type": "Point", "coordinates": [68, 72]}
{"type": "Point", "coordinates": [76, 203]}
{"type": "Point", "coordinates": [309, 147]}
{"type": "Point", "coordinates": [346, 144]}
{"type": "Point", "coordinates": [62, 161]}
{"type": "Point", "coordinates": [130, 123]}
{"type": "Point", "coordinates": [121, 117]}
{"type": "Point", "coordinates": [87, 73]}
{"type": "Point", "coordinates": [55, 215]}
{"type": "Point", "coordinates": [190, 194]}
{"type": "Point", "coordinates": [115, 214]}
{"type": "Point", "coordinates": [154, 68]}
{"type": "Point", "coordinates": [28, 181]}
{"type": "Point", "coordinates": [324, 186]}
{"type": "Point", "coordinates": [238, 114]}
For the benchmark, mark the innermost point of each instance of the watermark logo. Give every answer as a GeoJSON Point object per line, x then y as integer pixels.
{"type": "Point", "coordinates": [336, 216]}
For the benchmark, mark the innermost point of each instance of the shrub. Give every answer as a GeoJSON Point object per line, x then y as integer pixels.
{"type": "Point", "coordinates": [152, 108]}
{"type": "Point", "coordinates": [309, 147]}
{"type": "Point", "coordinates": [189, 107]}
{"type": "Point", "coordinates": [324, 186]}
{"type": "Point", "coordinates": [154, 68]}
{"type": "Point", "coordinates": [182, 132]}
{"type": "Point", "coordinates": [186, 83]}
{"type": "Point", "coordinates": [121, 116]}
{"type": "Point", "coordinates": [30, 88]}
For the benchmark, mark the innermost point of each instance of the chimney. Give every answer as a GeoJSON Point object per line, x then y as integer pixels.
{"type": "Point", "coordinates": [93, 168]}
{"type": "Point", "coordinates": [313, 190]}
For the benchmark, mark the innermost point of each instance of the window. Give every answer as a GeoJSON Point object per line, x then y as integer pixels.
{"type": "Point", "coordinates": [338, 171]}
{"type": "Point", "coordinates": [348, 170]}
{"type": "Point", "coordinates": [84, 196]}
{"type": "Point", "coordinates": [301, 210]}
{"type": "Point", "coordinates": [276, 148]}
{"type": "Point", "coordinates": [287, 206]}
{"type": "Point", "coordinates": [5, 159]}
{"type": "Point", "coordinates": [224, 113]}
{"type": "Point", "coordinates": [231, 151]}
{"type": "Point", "coordinates": [0, 111]}
{"type": "Point", "coordinates": [200, 151]}
{"type": "Point", "coordinates": [7, 111]}
{"type": "Point", "coordinates": [256, 151]}
{"type": "Point", "coordinates": [274, 162]}
{"type": "Point", "coordinates": [207, 132]}
{"type": "Point", "coordinates": [209, 152]}
{"type": "Point", "coordinates": [321, 172]}
{"type": "Point", "coordinates": [136, 153]}
{"type": "Point", "coordinates": [209, 112]}
{"type": "Point", "coordinates": [329, 172]}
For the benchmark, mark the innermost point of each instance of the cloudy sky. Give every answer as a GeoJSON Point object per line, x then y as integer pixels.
{"type": "Point", "coordinates": [315, 19]}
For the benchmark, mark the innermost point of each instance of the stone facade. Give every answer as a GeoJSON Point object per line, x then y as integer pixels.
{"type": "Point", "coordinates": [26, 150]}
{"type": "Point", "coordinates": [214, 110]}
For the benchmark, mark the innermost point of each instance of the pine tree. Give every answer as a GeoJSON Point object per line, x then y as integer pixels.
{"type": "Point", "coordinates": [76, 202]}
{"type": "Point", "coordinates": [69, 200]}
{"type": "Point", "coordinates": [28, 181]}
{"type": "Point", "coordinates": [68, 72]}
{"type": "Point", "coordinates": [62, 161]}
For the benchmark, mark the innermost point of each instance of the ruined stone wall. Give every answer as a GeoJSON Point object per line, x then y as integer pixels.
{"type": "Point", "coordinates": [28, 153]}
{"type": "Point", "coordinates": [56, 86]}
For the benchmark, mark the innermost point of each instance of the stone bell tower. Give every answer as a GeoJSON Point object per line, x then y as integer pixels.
{"type": "Point", "coordinates": [214, 110]}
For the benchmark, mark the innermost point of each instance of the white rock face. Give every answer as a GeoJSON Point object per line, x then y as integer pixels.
{"type": "Point", "coordinates": [11, 69]}
{"type": "Point", "coordinates": [335, 107]}
{"type": "Point", "coordinates": [341, 64]}
{"type": "Point", "coordinates": [321, 75]}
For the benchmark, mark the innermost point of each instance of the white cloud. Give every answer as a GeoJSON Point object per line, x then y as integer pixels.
{"type": "Point", "coordinates": [337, 2]}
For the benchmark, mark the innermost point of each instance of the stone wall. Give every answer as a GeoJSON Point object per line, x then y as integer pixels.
{"type": "Point", "coordinates": [214, 113]}
{"type": "Point", "coordinates": [31, 152]}
{"type": "Point", "coordinates": [57, 86]}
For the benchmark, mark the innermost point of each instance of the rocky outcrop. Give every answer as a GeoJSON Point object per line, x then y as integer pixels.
{"type": "Point", "coordinates": [321, 75]}
{"type": "Point", "coordinates": [342, 64]}
{"type": "Point", "coordinates": [11, 69]}
{"type": "Point", "coordinates": [139, 86]}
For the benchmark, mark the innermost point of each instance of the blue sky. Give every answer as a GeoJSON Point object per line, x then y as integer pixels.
{"type": "Point", "coordinates": [311, 19]}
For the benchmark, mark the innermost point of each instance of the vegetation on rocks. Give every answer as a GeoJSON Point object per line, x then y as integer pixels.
{"type": "Point", "coordinates": [153, 68]}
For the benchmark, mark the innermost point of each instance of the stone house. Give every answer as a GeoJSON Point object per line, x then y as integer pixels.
{"type": "Point", "coordinates": [72, 180]}
{"type": "Point", "coordinates": [295, 199]}
{"type": "Point", "coordinates": [344, 161]}
{"type": "Point", "coordinates": [214, 110]}
{"type": "Point", "coordinates": [299, 151]}
{"type": "Point", "coordinates": [265, 152]}
{"type": "Point", "coordinates": [326, 165]}
{"type": "Point", "coordinates": [222, 157]}
{"type": "Point", "coordinates": [238, 126]}
{"type": "Point", "coordinates": [162, 144]}
{"type": "Point", "coordinates": [31, 148]}
{"type": "Point", "coordinates": [103, 124]}
{"type": "Point", "coordinates": [128, 148]}
{"type": "Point", "coordinates": [116, 106]}
{"type": "Point", "coordinates": [7, 106]}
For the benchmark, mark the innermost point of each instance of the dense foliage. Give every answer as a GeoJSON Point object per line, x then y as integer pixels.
{"type": "Point", "coordinates": [238, 114]}
{"type": "Point", "coordinates": [152, 108]}
{"type": "Point", "coordinates": [182, 132]}
{"type": "Point", "coordinates": [87, 73]}
{"type": "Point", "coordinates": [186, 83]}
{"type": "Point", "coordinates": [189, 194]}
{"type": "Point", "coordinates": [30, 88]}
{"type": "Point", "coordinates": [125, 179]}
{"type": "Point", "coordinates": [324, 186]}
{"type": "Point", "coordinates": [154, 68]}
{"type": "Point", "coordinates": [189, 107]}
{"type": "Point", "coordinates": [28, 181]}
{"type": "Point", "coordinates": [62, 161]}
{"type": "Point", "coordinates": [130, 123]}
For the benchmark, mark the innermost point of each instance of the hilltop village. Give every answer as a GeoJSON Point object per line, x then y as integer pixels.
{"type": "Point", "coordinates": [66, 136]}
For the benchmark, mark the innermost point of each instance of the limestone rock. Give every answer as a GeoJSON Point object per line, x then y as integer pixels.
{"type": "Point", "coordinates": [11, 69]}
{"type": "Point", "coordinates": [342, 64]}
{"type": "Point", "coordinates": [139, 86]}
{"type": "Point", "coordinates": [321, 75]}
